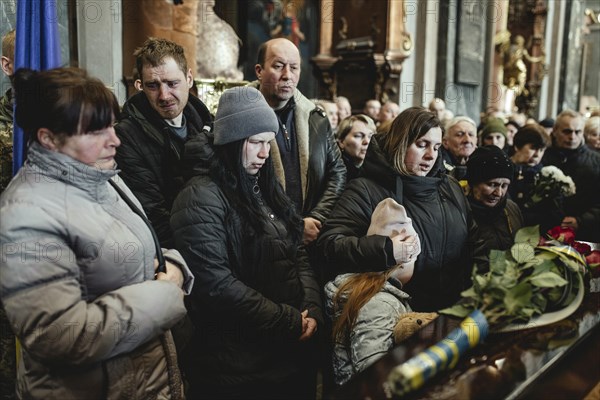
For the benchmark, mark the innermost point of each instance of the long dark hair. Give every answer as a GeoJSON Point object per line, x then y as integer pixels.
{"type": "Point", "coordinates": [228, 172]}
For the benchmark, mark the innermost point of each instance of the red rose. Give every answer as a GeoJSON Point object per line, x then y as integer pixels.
{"type": "Point", "coordinates": [564, 235]}
{"type": "Point", "coordinates": [582, 248]}
{"type": "Point", "coordinates": [593, 259]}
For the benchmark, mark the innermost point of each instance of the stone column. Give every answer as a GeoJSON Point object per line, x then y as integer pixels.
{"type": "Point", "coordinates": [99, 42]}
{"type": "Point", "coordinates": [325, 61]}
{"type": "Point", "coordinates": [549, 92]}
{"type": "Point", "coordinates": [410, 66]}
{"type": "Point", "coordinates": [399, 47]}
{"type": "Point", "coordinates": [422, 88]}
{"type": "Point", "coordinates": [496, 96]}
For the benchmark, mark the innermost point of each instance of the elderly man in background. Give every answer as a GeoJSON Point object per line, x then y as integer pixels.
{"type": "Point", "coordinates": [372, 108]}
{"type": "Point", "coordinates": [389, 111]}
{"type": "Point", "coordinates": [438, 107]}
{"type": "Point", "coordinates": [569, 153]}
{"type": "Point", "coordinates": [458, 143]}
{"type": "Point", "coordinates": [344, 107]}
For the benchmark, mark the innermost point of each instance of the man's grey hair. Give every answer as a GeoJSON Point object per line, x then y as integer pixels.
{"type": "Point", "coordinates": [566, 113]}
{"type": "Point", "coordinates": [458, 119]}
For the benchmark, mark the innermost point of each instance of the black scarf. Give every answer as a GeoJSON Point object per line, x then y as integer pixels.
{"type": "Point", "coordinates": [487, 214]}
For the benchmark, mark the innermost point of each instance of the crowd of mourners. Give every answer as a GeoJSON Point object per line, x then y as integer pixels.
{"type": "Point", "coordinates": [155, 250]}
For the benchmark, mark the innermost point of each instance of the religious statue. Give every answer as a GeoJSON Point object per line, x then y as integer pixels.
{"type": "Point", "coordinates": [218, 46]}
{"type": "Point", "coordinates": [288, 26]}
{"type": "Point", "coordinates": [514, 56]}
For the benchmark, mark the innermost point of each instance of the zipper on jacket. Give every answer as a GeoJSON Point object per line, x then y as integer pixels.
{"type": "Point", "coordinates": [171, 145]}
{"type": "Point", "coordinates": [444, 232]}
{"type": "Point", "coordinates": [288, 144]}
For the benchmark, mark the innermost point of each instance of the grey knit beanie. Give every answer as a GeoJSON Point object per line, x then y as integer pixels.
{"type": "Point", "coordinates": [243, 112]}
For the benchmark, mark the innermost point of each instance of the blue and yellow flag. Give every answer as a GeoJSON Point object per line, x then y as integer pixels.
{"type": "Point", "coordinates": [37, 46]}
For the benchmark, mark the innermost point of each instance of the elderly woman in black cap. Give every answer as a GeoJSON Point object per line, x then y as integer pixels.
{"type": "Point", "coordinates": [489, 173]}
{"type": "Point", "coordinates": [256, 306]}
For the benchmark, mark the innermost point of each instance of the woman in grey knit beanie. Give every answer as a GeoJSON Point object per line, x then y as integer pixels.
{"type": "Point", "coordinates": [256, 304]}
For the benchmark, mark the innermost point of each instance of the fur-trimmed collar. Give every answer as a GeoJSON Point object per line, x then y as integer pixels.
{"type": "Point", "coordinates": [302, 109]}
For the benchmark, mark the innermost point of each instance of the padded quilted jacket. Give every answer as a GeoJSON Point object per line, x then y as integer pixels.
{"type": "Point", "coordinates": [78, 286]}
{"type": "Point", "coordinates": [441, 215]}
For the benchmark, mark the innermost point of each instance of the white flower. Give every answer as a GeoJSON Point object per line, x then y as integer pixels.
{"type": "Point", "coordinates": [553, 183]}
{"type": "Point", "coordinates": [551, 170]}
{"type": "Point", "coordinates": [569, 188]}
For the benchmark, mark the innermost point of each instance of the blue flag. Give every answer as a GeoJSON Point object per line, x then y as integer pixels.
{"type": "Point", "coordinates": [37, 46]}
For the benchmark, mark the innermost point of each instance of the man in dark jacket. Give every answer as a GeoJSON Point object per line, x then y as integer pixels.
{"type": "Point", "coordinates": [307, 159]}
{"type": "Point", "coordinates": [458, 142]}
{"type": "Point", "coordinates": [156, 124]}
{"type": "Point", "coordinates": [569, 153]}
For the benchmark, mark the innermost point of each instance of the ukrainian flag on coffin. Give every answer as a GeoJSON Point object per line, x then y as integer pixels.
{"type": "Point", "coordinates": [413, 373]}
{"type": "Point", "coordinates": [571, 257]}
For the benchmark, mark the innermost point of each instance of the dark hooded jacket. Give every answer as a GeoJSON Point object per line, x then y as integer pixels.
{"type": "Point", "coordinates": [547, 213]}
{"type": "Point", "coordinates": [583, 166]}
{"type": "Point", "coordinates": [497, 225]}
{"type": "Point", "coordinates": [352, 171]}
{"type": "Point", "coordinates": [452, 167]}
{"type": "Point", "coordinates": [440, 214]}
{"type": "Point", "coordinates": [150, 156]}
{"type": "Point", "coordinates": [250, 289]}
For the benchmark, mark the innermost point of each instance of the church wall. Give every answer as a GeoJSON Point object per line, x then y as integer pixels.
{"type": "Point", "coordinates": [461, 59]}
{"type": "Point", "coordinates": [452, 53]}
{"type": "Point", "coordinates": [580, 92]}
{"type": "Point", "coordinates": [158, 18]}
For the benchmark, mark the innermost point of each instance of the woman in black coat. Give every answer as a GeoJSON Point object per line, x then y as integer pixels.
{"type": "Point", "coordinates": [353, 136]}
{"type": "Point", "coordinates": [489, 174]}
{"type": "Point", "coordinates": [256, 304]}
{"type": "Point", "coordinates": [529, 145]}
{"type": "Point", "coordinates": [404, 164]}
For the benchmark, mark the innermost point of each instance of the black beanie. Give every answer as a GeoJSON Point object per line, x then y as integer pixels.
{"type": "Point", "coordinates": [547, 123]}
{"type": "Point", "coordinates": [488, 162]}
{"type": "Point", "coordinates": [243, 112]}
